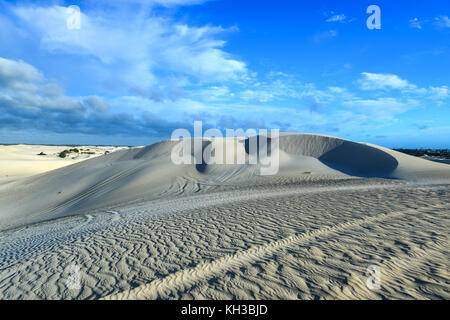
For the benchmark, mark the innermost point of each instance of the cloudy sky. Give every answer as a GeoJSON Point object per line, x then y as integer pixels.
{"type": "Point", "coordinates": [131, 74]}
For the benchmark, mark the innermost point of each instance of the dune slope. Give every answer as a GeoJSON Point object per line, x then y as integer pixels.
{"type": "Point", "coordinates": [137, 226]}
{"type": "Point", "coordinates": [143, 174]}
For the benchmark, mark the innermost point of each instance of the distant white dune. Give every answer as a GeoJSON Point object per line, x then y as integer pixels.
{"type": "Point", "coordinates": [148, 173]}
{"type": "Point", "coordinates": [19, 161]}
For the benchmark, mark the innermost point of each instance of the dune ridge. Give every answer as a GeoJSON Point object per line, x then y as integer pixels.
{"type": "Point", "coordinates": [148, 173]}
{"type": "Point", "coordinates": [140, 227]}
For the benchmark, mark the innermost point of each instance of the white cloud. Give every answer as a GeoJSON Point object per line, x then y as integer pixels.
{"type": "Point", "coordinates": [24, 88]}
{"type": "Point", "coordinates": [442, 22]}
{"type": "Point", "coordinates": [278, 86]}
{"type": "Point", "coordinates": [148, 4]}
{"type": "Point", "coordinates": [382, 81]}
{"type": "Point", "coordinates": [28, 101]}
{"type": "Point", "coordinates": [337, 18]}
{"type": "Point", "coordinates": [52, 89]}
{"type": "Point", "coordinates": [326, 35]}
{"type": "Point", "coordinates": [170, 2]}
{"type": "Point", "coordinates": [416, 23]}
{"type": "Point", "coordinates": [96, 103]}
{"type": "Point", "coordinates": [337, 89]}
{"type": "Point", "coordinates": [147, 47]}
{"type": "Point", "coordinates": [386, 82]}
{"type": "Point", "coordinates": [381, 109]}
{"type": "Point", "coordinates": [213, 93]}
{"type": "Point", "coordinates": [259, 96]}
{"type": "Point", "coordinates": [18, 75]}
{"type": "Point", "coordinates": [439, 93]}
{"type": "Point", "coordinates": [341, 93]}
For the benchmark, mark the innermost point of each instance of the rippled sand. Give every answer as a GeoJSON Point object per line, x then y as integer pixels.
{"type": "Point", "coordinates": [291, 236]}
{"type": "Point", "coordinates": [308, 242]}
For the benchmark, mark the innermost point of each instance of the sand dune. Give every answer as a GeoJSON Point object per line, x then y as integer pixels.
{"type": "Point", "coordinates": [142, 227]}
{"type": "Point", "coordinates": [148, 173]}
{"type": "Point", "coordinates": [20, 161]}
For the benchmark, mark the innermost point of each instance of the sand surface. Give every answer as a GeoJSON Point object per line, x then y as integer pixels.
{"type": "Point", "coordinates": [20, 161]}
{"type": "Point", "coordinates": [137, 226]}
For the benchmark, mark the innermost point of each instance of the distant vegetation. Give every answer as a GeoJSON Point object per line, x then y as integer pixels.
{"type": "Point", "coordinates": [65, 153]}
{"type": "Point", "coordinates": [42, 154]}
{"type": "Point", "coordinates": [434, 153]}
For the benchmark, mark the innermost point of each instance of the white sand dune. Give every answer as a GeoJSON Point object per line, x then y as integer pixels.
{"type": "Point", "coordinates": [140, 226]}
{"type": "Point", "coordinates": [148, 173]}
{"type": "Point", "coordinates": [20, 161]}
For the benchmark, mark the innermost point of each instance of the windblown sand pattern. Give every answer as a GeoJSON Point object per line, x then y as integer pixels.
{"type": "Point", "coordinates": [140, 227]}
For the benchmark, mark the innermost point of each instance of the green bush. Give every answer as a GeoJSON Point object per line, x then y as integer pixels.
{"type": "Point", "coordinates": [64, 153]}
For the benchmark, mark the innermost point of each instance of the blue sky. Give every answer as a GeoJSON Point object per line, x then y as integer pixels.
{"type": "Point", "coordinates": [132, 73]}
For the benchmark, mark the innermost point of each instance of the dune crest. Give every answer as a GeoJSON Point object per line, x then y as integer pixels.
{"type": "Point", "coordinates": [143, 174]}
